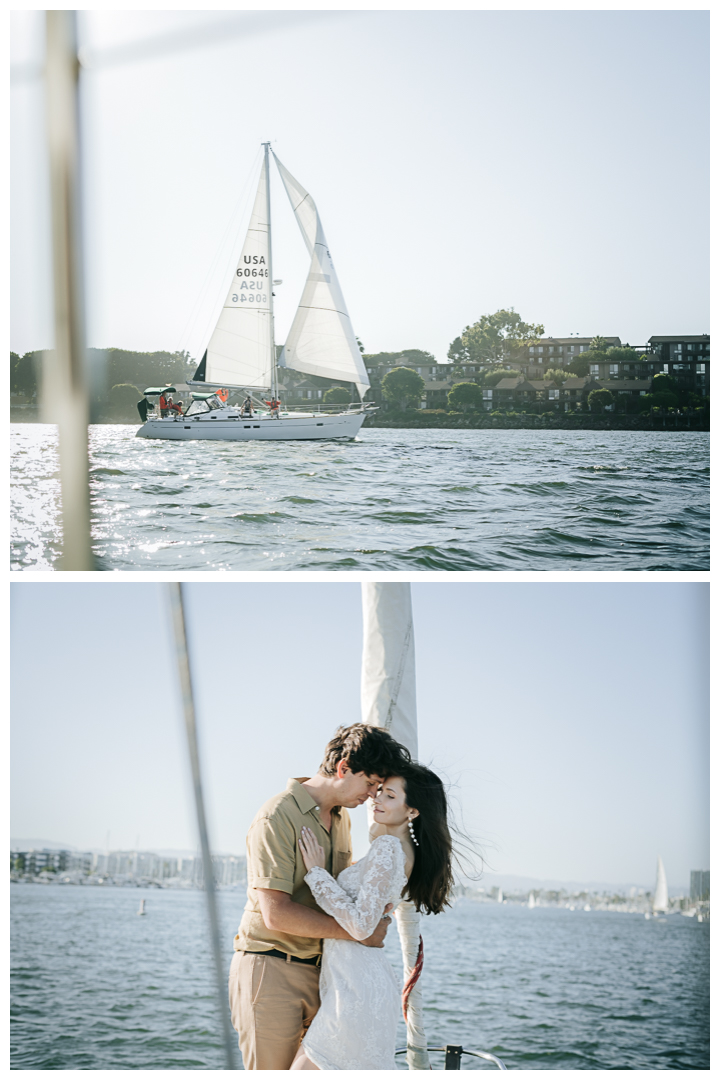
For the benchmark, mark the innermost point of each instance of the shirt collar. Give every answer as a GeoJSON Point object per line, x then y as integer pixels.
{"type": "Point", "coordinates": [300, 794]}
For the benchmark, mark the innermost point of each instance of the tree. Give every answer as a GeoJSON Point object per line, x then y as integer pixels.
{"type": "Point", "coordinates": [495, 339]}
{"type": "Point", "coordinates": [599, 399]}
{"type": "Point", "coordinates": [623, 354]}
{"type": "Point", "coordinates": [664, 393]}
{"type": "Point", "coordinates": [579, 366]}
{"type": "Point", "coordinates": [403, 387]}
{"type": "Point", "coordinates": [494, 377]}
{"type": "Point", "coordinates": [663, 382]}
{"type": "Point", "coordinates": [598, 344]}
{"type": "Point", "coordinates": [415, 356]}
{"type": "Point", "coordinates": [459, 353]}
{"type": "Point", "coordinates": [23, 373]}
{"type": "Point", "coordinates": [337, 395]}
{"type": "Point", "coordinates": [465, 395]}
{"type": "Point", "coordinates": [661, 399]}
{"type": "Point", "coordinates": [556, 376]}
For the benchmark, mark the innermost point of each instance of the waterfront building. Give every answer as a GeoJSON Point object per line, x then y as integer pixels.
{"type": "Point", "coordinates": [699, 886]}
{"type": "Point", "coordinates": [35, 861]}
{"type": "Point", "coordinates": [554, 352]}
{"type": "Point", "coordinates": [128, 867]}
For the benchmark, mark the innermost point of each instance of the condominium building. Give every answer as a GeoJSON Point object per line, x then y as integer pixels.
{"type": "Point", "coordinates": [699, 885]}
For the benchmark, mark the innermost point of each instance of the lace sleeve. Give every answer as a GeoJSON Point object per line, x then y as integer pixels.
{"type": "Point", "coordinates": [382, 882]}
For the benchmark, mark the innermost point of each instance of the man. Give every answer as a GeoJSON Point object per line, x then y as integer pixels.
{"type": "Point", "coordinates": [274, 975]}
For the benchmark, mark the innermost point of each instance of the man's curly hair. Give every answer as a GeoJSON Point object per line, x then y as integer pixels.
{"type": "Point", "coordinates": [369, 750]}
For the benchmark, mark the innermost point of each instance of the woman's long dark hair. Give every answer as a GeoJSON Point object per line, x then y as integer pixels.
{"type": "Point", "coordinates": [431, 878]}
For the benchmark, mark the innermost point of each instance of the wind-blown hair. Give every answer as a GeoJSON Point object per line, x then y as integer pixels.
{"type": "Point", "coordinates": [370, 750]}
{"type": "Point", "coordinates": [431, 878]}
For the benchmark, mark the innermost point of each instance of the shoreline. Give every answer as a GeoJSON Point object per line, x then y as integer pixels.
{"type": "Point", "coordinates": [528, 421]}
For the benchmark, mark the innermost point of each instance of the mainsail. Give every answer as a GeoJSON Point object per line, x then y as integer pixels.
{"type": "Point", "coordinates": [660, 903]}
{"type": "Point", "coordinates": [388, 701]}
{"type": "Point", "coordinates": [239, 353]}
{"type": "Point", "coordinates": [321, 339]}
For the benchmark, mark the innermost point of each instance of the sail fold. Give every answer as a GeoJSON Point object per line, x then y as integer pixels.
{"type": "Point", "coordinates": [321, 339]}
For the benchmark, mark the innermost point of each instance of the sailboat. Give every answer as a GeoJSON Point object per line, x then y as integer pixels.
{"type": "Point", "coordinates": [241, 354]}
{"type": "Point", "coordinates": [660, 902]}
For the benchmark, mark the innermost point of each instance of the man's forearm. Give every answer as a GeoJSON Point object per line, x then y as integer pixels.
{"type": "Point", "coordinates": [282, 913]}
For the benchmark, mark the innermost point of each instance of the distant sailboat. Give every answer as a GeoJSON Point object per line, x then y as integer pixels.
{"type": "Point", "coordinates": [141, 909]}
{"type": "Point", "coordinates": [531, 900]}
{"type": "Point", "coordinates": [660, 903]}
{"type": "Point", "coordinates": [241, 355]}
{"type": "Point", "coordinates": [500, 896]}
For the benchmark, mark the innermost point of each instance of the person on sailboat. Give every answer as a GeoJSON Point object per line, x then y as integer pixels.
{"type": "Point", "coordinates": [163, 404]}
{"type": "Point", "coordinates": [274, 406]}
{"type": "Point", "coordinates": [411, 856]}
{"type": "Point", "coordinates": [246, 408]}
{"type": "Point", "coordinates": [176, 406]}
{"type": "Point", "coordinates": [274, 975]}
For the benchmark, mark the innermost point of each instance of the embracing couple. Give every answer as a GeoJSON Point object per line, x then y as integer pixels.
{"type": "Point", "coordinates": [309, 985]}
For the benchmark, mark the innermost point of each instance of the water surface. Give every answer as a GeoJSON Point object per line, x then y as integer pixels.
{"type": "Point", "coordinates": [389, 500]}
{"type": "Point", "coordinates": [94, 986]}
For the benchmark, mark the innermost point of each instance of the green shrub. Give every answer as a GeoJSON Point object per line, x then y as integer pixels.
{"type": "Point", "coordinates": [337, 395]}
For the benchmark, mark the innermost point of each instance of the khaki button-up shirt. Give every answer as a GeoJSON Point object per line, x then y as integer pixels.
{"type": "Point", "coordinates": [274, 862]}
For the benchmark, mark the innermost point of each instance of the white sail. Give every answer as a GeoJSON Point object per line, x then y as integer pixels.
{"type": "Point", "coordinates": [660, 903]}
{"type": "Point", "coordinates": [321, 339]}
{"type": "Point", "coordinates": [239, 353]}
{"type": "Point", "coordinates": [388, 701]}
{"type": "Point", "coordinates": [388, 662]}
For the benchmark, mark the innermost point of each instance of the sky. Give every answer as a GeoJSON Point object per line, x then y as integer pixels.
{"type": "Point", "coordinates": [462, 162]}
{"type": "Point", "coordinates": [569, 719]}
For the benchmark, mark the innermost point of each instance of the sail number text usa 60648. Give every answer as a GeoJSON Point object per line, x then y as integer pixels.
{"type": "Point", "coordinates": [247, 272]}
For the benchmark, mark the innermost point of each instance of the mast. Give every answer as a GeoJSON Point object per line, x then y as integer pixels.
{"type": "Point", "coordinates": [273, 368]}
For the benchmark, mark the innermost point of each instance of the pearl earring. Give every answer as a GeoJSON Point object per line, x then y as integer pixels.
{"type": "Point", "coordinates": [412, 833]}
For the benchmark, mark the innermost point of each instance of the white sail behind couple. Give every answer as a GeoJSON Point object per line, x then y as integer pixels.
{"type": "Point", "coordinates": [388, 701]}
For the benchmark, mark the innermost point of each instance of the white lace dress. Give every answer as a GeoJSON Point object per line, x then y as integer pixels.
{"type": "Point", "coordinates": [356, 1025]}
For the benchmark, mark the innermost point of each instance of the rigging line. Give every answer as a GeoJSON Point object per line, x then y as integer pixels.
{"type": "Point", "coordinates": [175, 597]}
{"type": "Point", "coordinates": [198, 37]}
{"type": "Point", "coordinates": [239, 209]}
{"type": "Point", "coordinates": [92, 60]}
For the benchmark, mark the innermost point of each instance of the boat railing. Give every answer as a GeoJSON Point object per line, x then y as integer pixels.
{"type": "Point", "coordinates": [453, 1055]}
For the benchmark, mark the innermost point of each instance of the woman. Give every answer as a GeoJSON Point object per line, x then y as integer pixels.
{"type": "Point", "coordinates": [411, 856]}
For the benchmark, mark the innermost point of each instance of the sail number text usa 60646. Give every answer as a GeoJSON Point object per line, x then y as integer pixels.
{"type": "Point", "coordinates": [253, 298]}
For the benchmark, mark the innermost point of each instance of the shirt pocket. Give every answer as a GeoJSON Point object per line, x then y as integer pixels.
{"type": "Point", "coordinates": [340, 860]}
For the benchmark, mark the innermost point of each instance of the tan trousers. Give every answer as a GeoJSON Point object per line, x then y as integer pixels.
{"type": "Point", "coordinates": [272, 1003]}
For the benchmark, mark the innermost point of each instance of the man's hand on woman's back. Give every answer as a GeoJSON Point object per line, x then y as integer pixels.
{"type": "Point", "coordinates": [377, 938]}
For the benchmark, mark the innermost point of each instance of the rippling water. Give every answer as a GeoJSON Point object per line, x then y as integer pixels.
{"type": "Point", "coordinates": [95, 987]}
{"type": "Point", "coordinates": [389, 500]}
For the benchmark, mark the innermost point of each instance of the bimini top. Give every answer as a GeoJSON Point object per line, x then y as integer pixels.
{"type": "Point", "coordinates": [160, 390]}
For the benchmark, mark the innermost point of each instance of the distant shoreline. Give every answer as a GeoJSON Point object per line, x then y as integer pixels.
{"type": "Point", "coordinates": [528, 421]}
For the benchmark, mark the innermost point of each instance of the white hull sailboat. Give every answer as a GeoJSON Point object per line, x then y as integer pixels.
{"type": "Point", "coordinates": [240, 358]}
